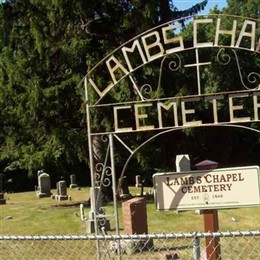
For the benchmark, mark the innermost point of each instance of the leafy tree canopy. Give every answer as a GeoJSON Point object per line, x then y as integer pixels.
{"type": "Point", "coordinates": [46, 49]}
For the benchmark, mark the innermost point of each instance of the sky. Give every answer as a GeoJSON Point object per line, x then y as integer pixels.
{"type": "Point", "coordinates": [185, 4]}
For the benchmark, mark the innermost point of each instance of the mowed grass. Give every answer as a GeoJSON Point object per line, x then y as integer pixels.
{"type": "Point", "coordinates": [25, 214]}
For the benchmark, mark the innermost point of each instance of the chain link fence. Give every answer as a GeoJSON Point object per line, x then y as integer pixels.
{"type": "Point", "coordinates": [230, 245]}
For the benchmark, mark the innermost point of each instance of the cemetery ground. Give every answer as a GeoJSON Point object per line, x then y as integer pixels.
{"type": "Point", "coordinates": [25, 214]}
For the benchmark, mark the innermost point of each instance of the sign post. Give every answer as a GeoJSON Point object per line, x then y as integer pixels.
{"type": "Point", "coordinates": [210, 216]}
{"type": "Point", "coordinates": [211, 224]}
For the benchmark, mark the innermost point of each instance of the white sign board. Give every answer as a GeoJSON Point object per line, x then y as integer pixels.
{"type": "Point", "coordinates": [207, 189]}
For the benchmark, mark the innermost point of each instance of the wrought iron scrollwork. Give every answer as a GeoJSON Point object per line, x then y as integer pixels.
{"type": "Point", "coordinates": [253, 78]}
{"type": "Point", "coordinates": [173, 65]}
{"type": "Point", "coordinates": [104, 138]}
{"type": "Point", "coordinates": [103, 171]}
{"type": "Point", "coordinates": [101, 220]}
{"type": "Point", "coordinates": [147, 91]}
{"type": "Point", "coordinates": [223, 58]}
{"type": "Point", "coordinates": [103, 174]}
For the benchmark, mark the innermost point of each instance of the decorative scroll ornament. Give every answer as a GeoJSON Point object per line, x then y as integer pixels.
{"type": "Point", "coordinates": [222, 57]}
{"type": "Point", "coordinates": [101, 212]}
{"type": "Point", "coordinates": [253, 78]}
{"type": "Point", "coordinates": [103, 174]}
{"type": "Point", "coordinates": [104, 138]}
{"type": "Point", "coordinates": [102, 171]}
{"type": "Point", "coordinates": [174, 65]}
{"type": "Point", "coordinates": [147, 92]}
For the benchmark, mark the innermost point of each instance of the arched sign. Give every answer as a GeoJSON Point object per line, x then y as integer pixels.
{"type": "Point", "coordinates": [169, 77]}
{"type": "Point", "coordinates": [164, 46]}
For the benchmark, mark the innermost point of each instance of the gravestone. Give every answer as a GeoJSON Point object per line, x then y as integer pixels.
{"type": "Point", "coordinates": [10, 186]}
{"type": "Point", "coordinates": [182, 163]}
{"type": "Point", "coordinates": [138, 181]}
{"type": "Point", "coordinates": [73, 183]}
{"type": "Point", "coordinates": [123, 188]}
{"type": "Point", "coordinates": [2, 199]}
{"type": "Point", "coordinates": [135, 216]}
{"type": "Point", "coordinates": [135, 222]}
{"type": "Point", "coordinates": [44, 188]}
{"type": "Point", "coordinates": [62, 191]}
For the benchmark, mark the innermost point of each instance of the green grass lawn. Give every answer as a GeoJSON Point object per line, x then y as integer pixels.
{"type": "Point", "coordinates": [45, 216]}
{"type": "Point", "coordinates": [25, 214]}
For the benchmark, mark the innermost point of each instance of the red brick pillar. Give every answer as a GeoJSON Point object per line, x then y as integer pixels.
{"type": "Point", "coordinates": [135, 216]}
{"type": "Point", "coordinates": [211, 223]}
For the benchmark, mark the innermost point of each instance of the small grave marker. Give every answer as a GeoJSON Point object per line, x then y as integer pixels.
{"type": "Point", "coordinates": [123, 188]}
{"type": "Point", "coordinates": [138, 181]}
{"type": "Point", "coordinates": [73, 183]}
{"type": "Point", "coordinates": [62, 191]}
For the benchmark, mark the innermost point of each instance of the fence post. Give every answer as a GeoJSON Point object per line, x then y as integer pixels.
{"type": "Point", "coordinates": [196, 248]}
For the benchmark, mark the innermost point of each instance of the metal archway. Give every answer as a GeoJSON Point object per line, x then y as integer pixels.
{"type": "Point", "coordinates": [166, 47]}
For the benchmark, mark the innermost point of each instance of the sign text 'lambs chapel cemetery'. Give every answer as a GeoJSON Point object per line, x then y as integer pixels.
{"type": "Point", "coordinates": [208, 189]}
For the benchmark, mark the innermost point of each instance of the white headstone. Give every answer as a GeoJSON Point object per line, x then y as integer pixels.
{"type": "Point", "coordinates": [182, 163]}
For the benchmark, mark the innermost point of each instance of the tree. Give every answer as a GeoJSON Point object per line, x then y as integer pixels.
{"type": "Point", "coordinates": [46, 49]}
{"type": "Point", "coordinates": [249, 8]}
{"type": "Point", "coordinates": [41, 100]}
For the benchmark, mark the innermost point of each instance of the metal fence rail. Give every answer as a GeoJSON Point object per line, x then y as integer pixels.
{"type": "Point", "coordinates": [234, 245]}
